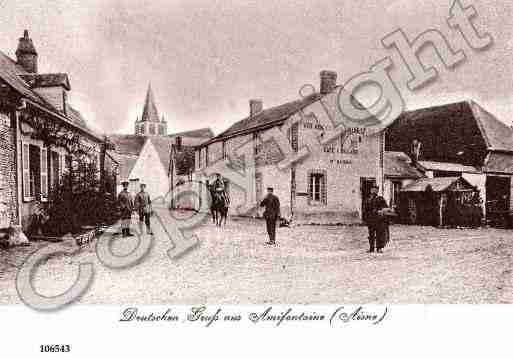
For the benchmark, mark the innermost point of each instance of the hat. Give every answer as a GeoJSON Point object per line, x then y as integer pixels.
{"type": "Point", "coordinates": [125, 183]}
{"type": "Point", "coordinates": [375, 186]}
{"type": "Point", "coordinates": [270, 189]}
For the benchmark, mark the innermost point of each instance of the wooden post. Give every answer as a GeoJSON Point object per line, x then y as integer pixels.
{"type": "Point", "coordinates": [440, 209]}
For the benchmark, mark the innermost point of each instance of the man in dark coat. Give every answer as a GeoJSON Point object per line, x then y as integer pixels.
{"type": "Point", "coordinates": [143, 207]}
{"type": "Point", "coordinates": [271, 214]}
{"type": "Point", "coordinates": [126, 207]}
{"type": "Point", "coordinates": [376, 222]}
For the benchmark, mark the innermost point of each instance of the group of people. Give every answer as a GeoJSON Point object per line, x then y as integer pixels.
{"type": "Point", "coordinates": [127, 205]}
{"type": "Point", "coordinates": [375, 215]}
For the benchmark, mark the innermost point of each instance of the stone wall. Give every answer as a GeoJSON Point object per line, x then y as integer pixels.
{"type": "Point", "coordinates": [8, 189]}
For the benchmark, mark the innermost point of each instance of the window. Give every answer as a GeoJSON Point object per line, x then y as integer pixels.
{"type": "Point", "coordinates": [258, 186]}
{"type": "Point", "coordinates": [27, 191]}
{"type": "Point", "coordinates": [317, 187]}
{"type": "Point", "coordinates": [394, 193]}
{"type": "Point", "coordinates": [35, 172]}
{"type": "Point", "coordinates": [152, 129]}
{"type": "Point", "coordinates": [224, 150]}
{"type": "Point", "coordinates": [294, 137]}
{"type": "Point", "coordinates": [206, 156]}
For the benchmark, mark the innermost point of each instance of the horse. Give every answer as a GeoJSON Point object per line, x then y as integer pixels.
{"type": "Point", "coordinates": [218, 207]}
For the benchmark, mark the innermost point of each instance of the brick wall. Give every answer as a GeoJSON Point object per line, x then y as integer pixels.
{"type": "Point", "coordinates": [8, 188]}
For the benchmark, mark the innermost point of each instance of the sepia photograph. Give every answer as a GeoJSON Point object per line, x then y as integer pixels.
{"type": "Point", "coordinates": [292, 154]}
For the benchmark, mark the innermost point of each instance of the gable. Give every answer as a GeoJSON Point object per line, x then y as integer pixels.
{"type": "Point", "coordinates": [448, 133]}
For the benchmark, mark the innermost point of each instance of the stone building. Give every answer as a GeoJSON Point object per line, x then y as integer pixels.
{"type": "Point", "coordinates": [327, 186]}
{"type": "Point", "coordinates": [33, 106]}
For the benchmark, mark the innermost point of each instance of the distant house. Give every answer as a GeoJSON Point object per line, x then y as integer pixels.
{"type": "Point", "coordinates": [33, 107]}
{"type": "Point", "coordinates": [329, 185]}
{"type": "Point", "coordinates": [460, 139]}
{"type": "Point", "coordinates": [399, 172]}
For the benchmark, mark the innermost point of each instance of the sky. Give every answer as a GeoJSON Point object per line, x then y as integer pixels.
{"type": "Point", "coordinates": [206, 59]}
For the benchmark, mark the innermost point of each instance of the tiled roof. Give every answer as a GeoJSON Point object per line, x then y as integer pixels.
{"type": "Point", "coordinates": [12, 74]}
{"type": "Point", "coordinates": [497, 134]}
{"type": "Point", "coordinates": [128, 144]}
{"type": "Point", "coordinates": [273, 115]}
{"type": "Point", "coordinates": [438, 184]}
{"type": "Point", "coordinates": [447, 167]}
{"type": "Point", "coordinates": [47, 80]}
{"type": "Point", "coordinates": [398, 165]}
{"type": "Point", "coordinates": [499, 163]}
{"type": "Point", "coordinates": [201, 132]}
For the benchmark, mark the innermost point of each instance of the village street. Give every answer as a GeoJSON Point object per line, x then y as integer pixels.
{"type": "Point", "coordinates": [310, 265]}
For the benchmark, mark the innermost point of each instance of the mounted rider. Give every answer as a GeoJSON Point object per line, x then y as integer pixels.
{"type": "Point", "coordinates": [219, 187]}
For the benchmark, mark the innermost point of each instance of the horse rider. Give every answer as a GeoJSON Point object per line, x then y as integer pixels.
{"type": "Point", "coordinates": [220, 188]}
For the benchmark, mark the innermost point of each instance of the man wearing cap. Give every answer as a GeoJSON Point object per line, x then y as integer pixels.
{"type": "Point", "coordinates": [376, 223]}
{"type": "Point", "coordinates": [271, 214]}
{"type": "Point", "coordinates": [126, 206]}
{"type": "Point", "coordinates": [143, 206]}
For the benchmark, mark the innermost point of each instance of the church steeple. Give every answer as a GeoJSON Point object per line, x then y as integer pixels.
{"type": "Point", "coordinates": [150, 124]}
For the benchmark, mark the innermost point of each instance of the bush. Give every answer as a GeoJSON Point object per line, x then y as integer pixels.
{"type": "Point", "coordinates": [77, 201]}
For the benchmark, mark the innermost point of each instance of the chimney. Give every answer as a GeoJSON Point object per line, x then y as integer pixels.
{"type": "Point", "coordinates": [255, 107]}
{"type": "Point", "coordinates": [328, 81]}
{"type": "Point", "coordinates": [26, 54]}
{"type": "Point", "coordinates": [415, 151]}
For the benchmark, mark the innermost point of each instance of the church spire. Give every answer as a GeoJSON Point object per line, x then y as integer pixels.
{"type": "Point", "coordinates": [150, 112]}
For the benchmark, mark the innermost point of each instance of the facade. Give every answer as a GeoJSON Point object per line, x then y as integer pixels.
{"type": "Point", "coordinates": [460, 139]}
{"type": "Point", "coordinates": [33, 108]}
{"type": "Point", "coordinates": [328, 185]}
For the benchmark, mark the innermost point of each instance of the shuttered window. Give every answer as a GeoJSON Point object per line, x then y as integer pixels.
{"type": "Point", "coordinates": [26, 172]}
{"type": "Point", "coordinates": [44, 173]}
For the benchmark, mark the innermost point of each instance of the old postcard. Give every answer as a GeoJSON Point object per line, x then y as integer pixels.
{"type": "Point", "coordinates": [168, 166]}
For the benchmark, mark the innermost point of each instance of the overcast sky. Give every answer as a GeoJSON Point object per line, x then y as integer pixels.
{"type": "Point", "coordinates": [206, 59]}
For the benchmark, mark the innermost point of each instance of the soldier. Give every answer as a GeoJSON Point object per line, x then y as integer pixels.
{"type": "Point", "coordinates": [126, 206]}
{"type": "Point", "coordinates": [271, 214]}
{"type": "Point", "coordinates": [376, 222]}
{"type": "Point", "coordinates": [143, 206]}
{"type": "Point", "coordinates": [219, 188]}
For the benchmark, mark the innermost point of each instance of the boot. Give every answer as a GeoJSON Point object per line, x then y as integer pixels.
{"type": "Point", "coordinates": [148, 230]}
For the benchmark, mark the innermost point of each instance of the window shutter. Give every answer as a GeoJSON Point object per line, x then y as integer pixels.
{"type": "Point", "coordinates": [310, 186]}
{"type": "Point", "coordinates": [44, 173]}
{"type": "Point", "coordinates": [294, 137]}
{"type": "Point", "coordinates": [26, 171]}
{"type": "Point", "coordinates": [324, 189]}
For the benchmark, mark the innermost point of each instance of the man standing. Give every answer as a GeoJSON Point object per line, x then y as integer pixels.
{"type": "Point", "coordinates": [126, 206]}
{"type": "Point", "coordinates": [143, 206]}
{"type": "Point", "coordinates": [376, 223]}
{"type": "Point", "coordinates": [271, 214]}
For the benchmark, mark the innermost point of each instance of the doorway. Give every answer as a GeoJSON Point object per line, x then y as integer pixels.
{"type": "Point", "coordinates": [366, 184]}
{"type": "Point", "coordinates": [497, 199]}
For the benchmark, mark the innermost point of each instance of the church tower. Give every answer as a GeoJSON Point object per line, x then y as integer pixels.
{"type": "Point", "coordinates": [149, 124]}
